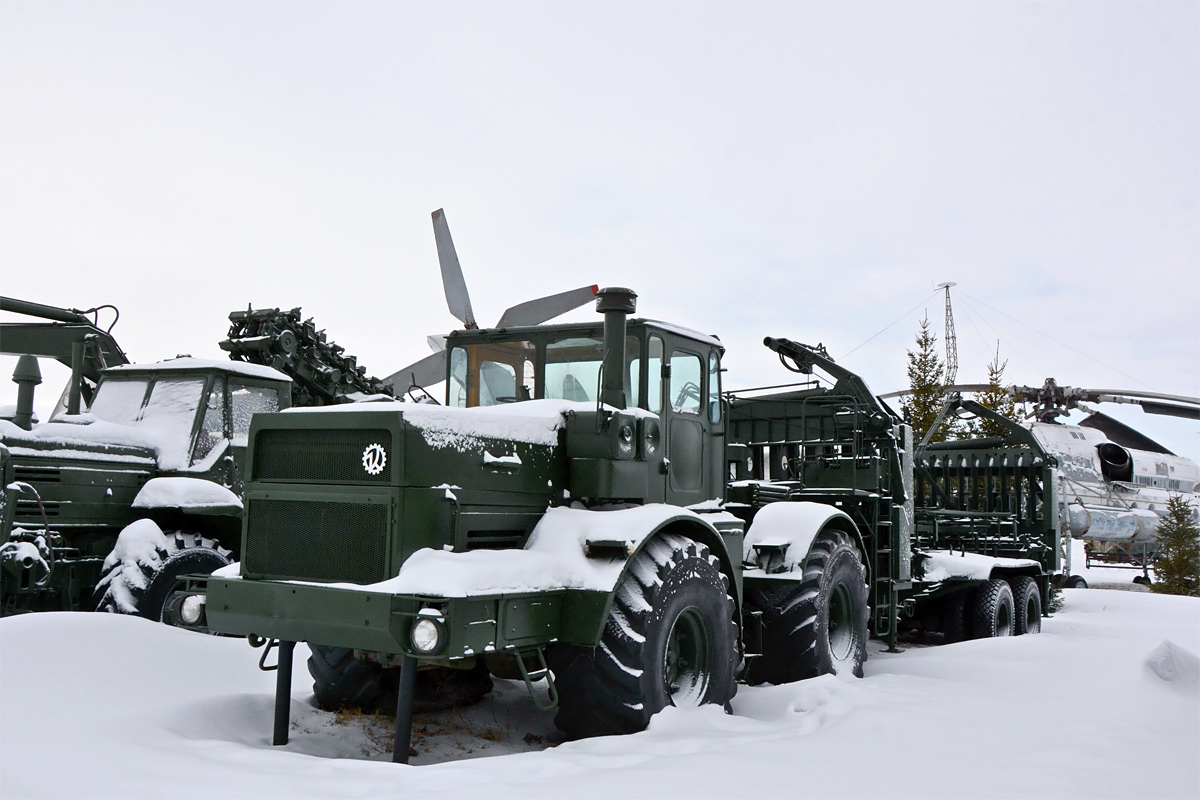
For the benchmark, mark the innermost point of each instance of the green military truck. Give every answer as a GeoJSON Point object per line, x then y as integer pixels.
{"type": "Point", "coordinates": [137, 477]}
{"type": "Point", "coordinates": [590, 509]}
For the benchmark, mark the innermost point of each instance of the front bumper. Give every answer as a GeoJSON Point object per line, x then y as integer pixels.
{"type": "Point", "coordinates": [382, 623]}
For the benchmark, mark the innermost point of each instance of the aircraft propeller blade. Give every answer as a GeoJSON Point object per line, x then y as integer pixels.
{"type": "Point", "coordinates": [455, 286]}
{"type": "Point", "coordinates": [429, 370]}
{"type": "Point", "coordinates": [535, 312]}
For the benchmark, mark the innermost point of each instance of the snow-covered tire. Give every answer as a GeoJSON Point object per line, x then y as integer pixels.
{"type": "Point", "coordinates": [342, 681]}
{"type": "Point", "coordinates": [820, 626]}
{"type": "Point", "coordinates": [954, 617]}
{"type": "Point", "coordinates": [670, 639]}
{"type": "Point", "coordinates": [991, 610]}
{"type": "Point", "coordinates": [141, 586]}
{"type": "Point", "coordinates": [1027, 605]}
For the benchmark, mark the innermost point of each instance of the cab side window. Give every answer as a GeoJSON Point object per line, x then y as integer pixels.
{"type": "Point", "coordinates": [654, 363]}
{"type": "Point", "coordinates": [686, 380]}
{"type": "Point", "coordinates": [714, 388]}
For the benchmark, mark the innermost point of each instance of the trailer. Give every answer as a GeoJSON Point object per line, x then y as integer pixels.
{"type": "Point", "coordinates": [588, 508]}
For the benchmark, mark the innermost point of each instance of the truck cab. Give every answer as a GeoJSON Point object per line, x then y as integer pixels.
{"type": "Point", "coordinates": [669, 371]}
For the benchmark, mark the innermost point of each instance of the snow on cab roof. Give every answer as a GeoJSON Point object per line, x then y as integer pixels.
{"type": "Point", "coordinates": [187, 362]}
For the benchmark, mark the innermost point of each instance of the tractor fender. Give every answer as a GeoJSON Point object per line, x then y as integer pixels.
{"type": "Point", "coordinates": [683, 522]}
{"type": "Point", "coordinates": [782, 533]}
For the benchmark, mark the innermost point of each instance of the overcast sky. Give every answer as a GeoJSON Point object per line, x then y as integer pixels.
{"type": "Point", "coordinates": [750, 169]}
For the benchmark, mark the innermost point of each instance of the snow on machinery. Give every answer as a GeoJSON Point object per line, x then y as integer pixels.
{"type": "Point", "coordinates": [589, 509]}
{"type": "Point", "coordinates": [158, 448]}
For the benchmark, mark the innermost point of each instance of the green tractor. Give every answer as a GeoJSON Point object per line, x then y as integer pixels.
{"type": "Point", "coordinates": [590, 509]}
{"type": "Point", "coordinates": [137, 477]}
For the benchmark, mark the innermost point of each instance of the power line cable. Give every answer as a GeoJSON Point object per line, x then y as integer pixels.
{"type": "Point", "coordinates": [1056, 341]}
{"type": "Point", "coordinates": [1007, 342]}
{"type": "Point", "coordinates": [897, 319]}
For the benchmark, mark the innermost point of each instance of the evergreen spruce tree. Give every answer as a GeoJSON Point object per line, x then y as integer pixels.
{"type": "Point", "coordinates": [996, 398]}
{"type": "Point", "coordinates": [1177, 564]}
{"type": "Point", "coordinates": [925, 379]}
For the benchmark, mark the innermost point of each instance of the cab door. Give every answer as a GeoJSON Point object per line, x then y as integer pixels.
{"type": "Point", "coordinates": [687, 430]}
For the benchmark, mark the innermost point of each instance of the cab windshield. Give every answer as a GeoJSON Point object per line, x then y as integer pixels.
{"type": "Point", "coordinates": [169, 410]}
{"type": "Point", "coordinates": [510, 372]}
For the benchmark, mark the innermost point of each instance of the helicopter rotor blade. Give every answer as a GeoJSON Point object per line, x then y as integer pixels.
{"type": "Point", "coordinates": [429, 370]}
{"type": "Point", "coordinates": [535, 312]}
{"type": "Point", "coordinates": [1167, 409]}
{"type": "Point", "coordinates": [437, 342]}
{"type": "Point", "coordinates": [453, 282]}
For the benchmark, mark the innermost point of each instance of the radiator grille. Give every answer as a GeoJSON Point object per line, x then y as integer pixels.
{"type": "Point", "coordinates": [314, 540]}
{"type": "Point", "coordinates": [333, 456]}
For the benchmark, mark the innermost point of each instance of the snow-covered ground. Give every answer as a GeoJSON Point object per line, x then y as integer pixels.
{"type": "Point", "coordinates": [95, 705]}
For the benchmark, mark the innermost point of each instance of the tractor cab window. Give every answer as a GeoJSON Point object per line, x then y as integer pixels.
{"type": "Point", "coordinates": [686, 380]}
{"type": "Point", "coordinates": [654, 356]}
{"type": "Point", "coordinates": [246, 401]}
{"type": "Point", "coordinates": [119, 400]}
{"type": "Point", "coordinates": [212, 429]}
{"type": "Point", "coordinates": [573, 368]}
{"type": "Point", "coordinates": [491, 373]}
{"type": "Point", "coordinates": [714, 388]}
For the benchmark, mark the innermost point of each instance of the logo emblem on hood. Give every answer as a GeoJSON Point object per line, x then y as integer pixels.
{"type": "Point", "coordinates": [374, 459]}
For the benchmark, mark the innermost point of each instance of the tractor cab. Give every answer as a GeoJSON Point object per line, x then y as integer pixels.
{"type": "Point", "coordinates": [671, 372]}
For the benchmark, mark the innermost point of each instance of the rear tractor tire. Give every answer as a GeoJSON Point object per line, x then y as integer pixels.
{"type": "Point", "coordinates": [820, 626]}
{"type": "Point", "coordinates": [1027, 605]}
{"type": "Point", "coordinates": [670, 639]}
{"type": "Point", "coordinates": [991, 611]}
{"type": "Point", "coordinates": [342, 681]}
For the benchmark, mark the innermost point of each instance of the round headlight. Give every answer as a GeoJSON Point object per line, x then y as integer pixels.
{"type": "Point", "coordinates": [626, 434]}
{"type": "Point", "coordinates": [192, 608]}
{"type": "Point", "coordinates": [426, 635]}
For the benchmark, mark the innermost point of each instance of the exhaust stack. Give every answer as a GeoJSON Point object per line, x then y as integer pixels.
{"type": "Point", "coordinates": [616, 304]}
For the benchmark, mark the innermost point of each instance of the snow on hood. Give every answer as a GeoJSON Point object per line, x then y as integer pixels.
{"type": "Point", "coordinates": [86, 430]}
{"type": "Point", "coordinates": [189, 363]}
{"type": "Point", "coordinates": [942, 565]}
{"type": "Point", "coordinates": [532, 421]}
{"type": "Point", "coordinates": [191, 493]}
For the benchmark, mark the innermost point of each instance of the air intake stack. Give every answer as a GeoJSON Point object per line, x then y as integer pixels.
{"type": "Point", "coordinates": [616, 304]}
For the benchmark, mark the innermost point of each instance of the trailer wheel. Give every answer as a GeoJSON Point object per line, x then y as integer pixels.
{"type": "Point", "coordinates": [144, 592]}
{"type": "Point", "coordinates": [343, 681]}
{"type": "Point", "coordinates": [1027, 604]}
{"type": "Point", "coordinates": [954, 617]}
{"type": "Point", "coordinates": [992, 610]}
{"type": "Point", "coordinates": [670, 639]}
{"type": "Point", "coordinates": [1075, 582]}
{"type": "Point", "coordinates": [820, 626]}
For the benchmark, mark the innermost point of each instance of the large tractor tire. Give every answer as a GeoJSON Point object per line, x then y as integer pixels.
{"type": "Point", "coordinates": [991, 610]}
{"type": "Point", "coordinates": [342, 681]}
{"type": "Point", "coordinates": [819, 627]}
{"type": "Point", "coordinates": [670, 639]}
{"type": "Point", "coordinates": [954, 616]}
{"type": "Point", "coordinates": [145, 592]}
{"type": "Point", "coordinates": [1027, 605]}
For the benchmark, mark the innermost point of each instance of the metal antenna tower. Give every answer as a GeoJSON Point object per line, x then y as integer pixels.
{"type": "Point", "coordinates": [951, 339]}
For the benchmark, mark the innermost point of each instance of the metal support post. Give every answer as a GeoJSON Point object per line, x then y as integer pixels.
{"type": "Point", "coordinates": [283, 693]}
{"type": "Point", "coordinates": [404, 709]}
